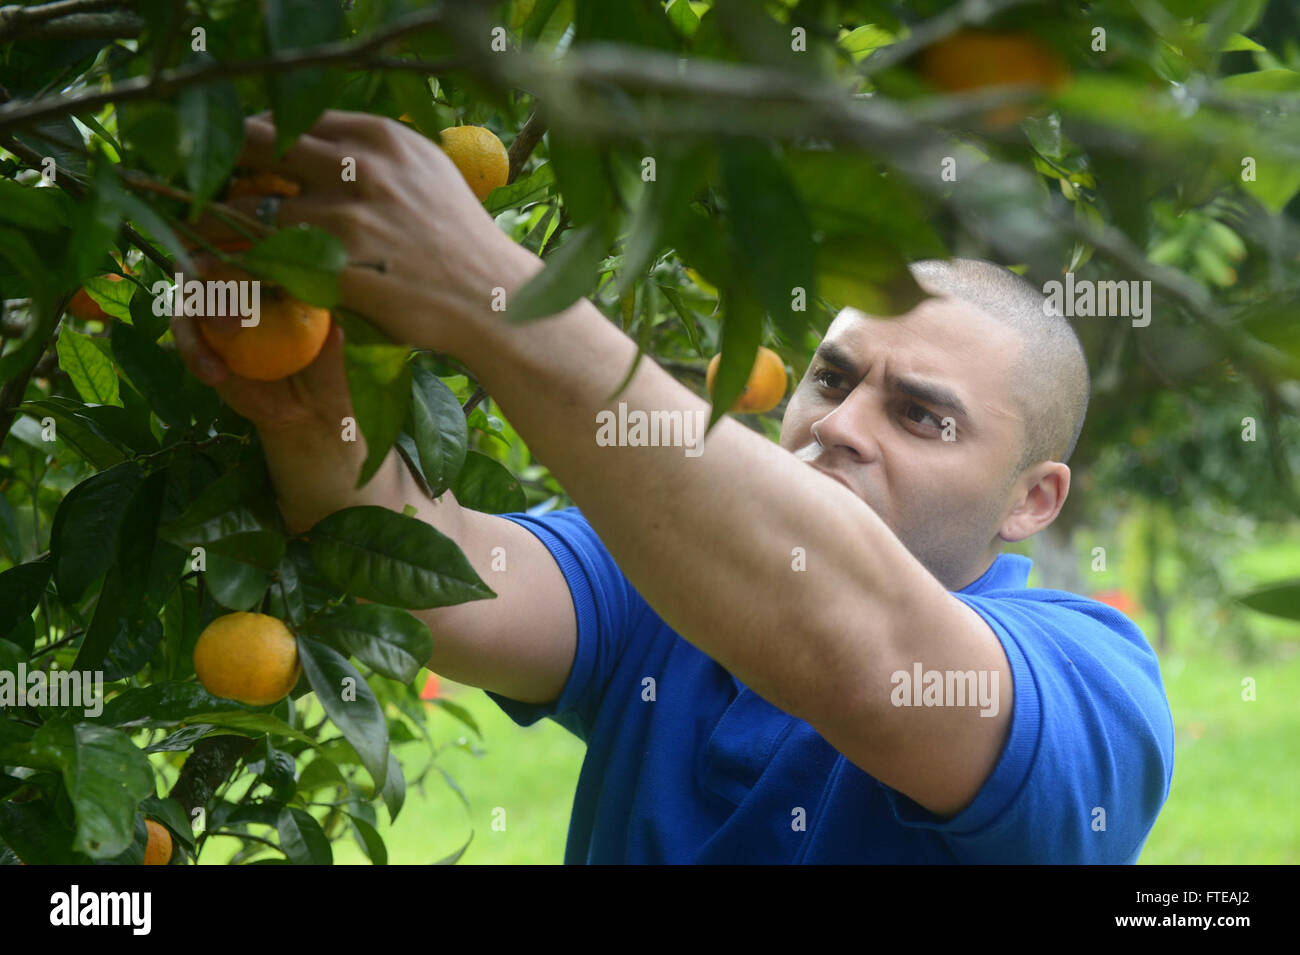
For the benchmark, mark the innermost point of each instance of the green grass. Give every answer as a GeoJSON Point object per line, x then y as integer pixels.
{"type": "Point", "coordinates": [1234, 796]}
{"type": "Point", "coordinates": [529, 772]}
{"type": "Point", "coordinates": [1236, 784]}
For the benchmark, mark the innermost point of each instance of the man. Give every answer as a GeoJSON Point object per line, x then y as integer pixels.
{"type": "Point", "coordinates": [804, 653]}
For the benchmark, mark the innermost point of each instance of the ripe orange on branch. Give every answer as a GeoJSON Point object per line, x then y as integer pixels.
{"type": "Point", "coordinates": [287, 338]}
{"type": "Point", "coordinates": [289, 333]}
{"type": "Point", "coordinates": [765, 387]}
{"type": "Point", "coordinates": [261, 183]}
{"type": "Point", "coordinates": [249, 657]}
{"type": "Point", "coordinates": [977, 59]}
{"type": "Point", "coordinates": [158, 850]}
{"type": "Point", "coordinates": [478, 154]}
{"type": "Point", "coordinates": [86, 308]}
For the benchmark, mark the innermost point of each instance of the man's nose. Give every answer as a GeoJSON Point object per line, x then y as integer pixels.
{"type": "Point", "coordinates": [851, 426]}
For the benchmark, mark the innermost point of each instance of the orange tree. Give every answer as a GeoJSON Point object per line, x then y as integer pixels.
{"type": "Point", "coordinates": [717, 176]}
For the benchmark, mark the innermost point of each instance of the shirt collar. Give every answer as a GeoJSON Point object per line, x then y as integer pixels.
{"type": "Point", "coordinates": [1007, 572]}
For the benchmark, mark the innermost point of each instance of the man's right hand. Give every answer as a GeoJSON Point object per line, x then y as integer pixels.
{"type": "Point", "coordinates": [315, 400]}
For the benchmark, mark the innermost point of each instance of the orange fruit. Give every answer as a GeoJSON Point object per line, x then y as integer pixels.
{"type": "Point", "coordinates": [261, 183]}
{"type": "Point", "coordinates": [766, 385]}
{"type": "Point", "coordinates": [478, 154]}
{"type": "Point", "coordinates": [976, 59]}
{"type": "Point", "coordinates": [86, 308]}
{"type": "Point", "coordinates": [289, 333]}
{"type": "Point", "coordinates": [158, 850]}
{"type": "Point", "coordinates": [287, 338]}
{"type": "Point", "coordinates": [249, 657]}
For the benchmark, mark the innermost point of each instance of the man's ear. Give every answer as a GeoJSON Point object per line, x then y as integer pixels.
{"type": "Point", "coordinates": [1043, 490]}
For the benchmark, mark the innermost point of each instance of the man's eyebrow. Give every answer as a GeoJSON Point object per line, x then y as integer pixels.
{"type": "Point", "coordinates": [833, 354]}
{"type": "Point", "coordinates": [931, 393]}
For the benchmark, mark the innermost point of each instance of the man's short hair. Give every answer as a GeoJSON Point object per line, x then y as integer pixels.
{"type": "Point", "coordinates": [1049, 381]}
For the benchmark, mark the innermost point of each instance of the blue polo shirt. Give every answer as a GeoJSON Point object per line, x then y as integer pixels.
{"type": "Point", "coordinates": [708, 772]}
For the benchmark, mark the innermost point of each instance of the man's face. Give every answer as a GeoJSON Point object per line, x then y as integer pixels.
{"type": "Point", "coordinates": [871, 410]}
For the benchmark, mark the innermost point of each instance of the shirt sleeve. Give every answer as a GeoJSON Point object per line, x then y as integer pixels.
{"type": "Point", "coordinates": [605, 605]}
{"type": "Point", "coordinates": [1088, 759]}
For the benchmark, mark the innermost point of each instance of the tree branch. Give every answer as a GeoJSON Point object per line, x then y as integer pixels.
{"type": "Point", "coordinates": [169, 81]}
{"type": "Point", "coordinates": [17, 20]}
{"type": "Point", "coordinates": [213, 760]}
{"type": "Point", "coordinates": [11, 393]}
{"type": "Point", "coordinates": [524, 144]}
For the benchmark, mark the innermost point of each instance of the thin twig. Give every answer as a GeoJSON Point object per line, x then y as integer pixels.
{"type": "Point", "coordinates": [17, 20]}
{"type": "Point", "coordinates": [169, 81]}
{"type": "Point", "coordinates": [524, 144]}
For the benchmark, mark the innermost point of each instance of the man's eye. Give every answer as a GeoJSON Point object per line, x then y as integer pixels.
{"type": "Point", "coordinates": [924, 413]}
{"type": "Point", "coordinates": [828, 378]}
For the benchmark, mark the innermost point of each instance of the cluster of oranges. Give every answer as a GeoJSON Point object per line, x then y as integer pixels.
{"type": "Point", "coordinates": [290, 334]}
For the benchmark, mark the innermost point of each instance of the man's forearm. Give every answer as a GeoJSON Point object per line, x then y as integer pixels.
{"type": "Point", "coordinates": [709, 540]}
{"type": "Point", "coordinates": [315, 475]}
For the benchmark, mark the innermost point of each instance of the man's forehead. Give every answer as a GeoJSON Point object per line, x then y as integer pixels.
{"type": "Point", "coordinates": [940, 331]}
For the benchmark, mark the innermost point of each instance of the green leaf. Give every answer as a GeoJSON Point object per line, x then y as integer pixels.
{"type": "Point", "coordinates": [91, 373]}
{"type": "Point", "coordinates": [455, 856]}
{"type": "Point", "coordinates": [160, 704]}
{"type": "Point", "coordinates": [299, 97]}
{"type": "Point", "coordinates": [770, 230]}
{"type": "Point", "coordinates": [742, 333]}
{"type": "Point", "coordinates": [532, 188]}
{"type": "Point", "coordinates": [1264, 81]}
{"type": "Point", "coordinates": [21, 588]}
{"type": "Point", "coordinates": [127, 425]}
{"type": "Point", "coordinates": [867, 274]}
{"type": "Point", "coordinates": [460, 713]}
{"type": "Point", "coordinates": [485, 484]}
{"type": "Point", "coordinates": [387, 639]}
{"type": "Point", "coordinates": [212, 134]}
{"type": "Point", "coordinates": [379, 379]}
{"type": "Point", "coordinates": [1277, 599]}
{"type": "Point", "coordinates": [83, 539]}
{"type": "Point", "coordinates": [848, 193]}
{"type": "Point", "coordinates": [863, 41]}
{"type": "Point", "coordinates": [154, 132]}
{"type": "Point", "coordinates": [350, 704]}
{"type": "Point", "coordinates": [302, 838]}
{"type": "Point", "coordinates": [686, 315]}
{"type": "Point", "coordinates": [132, 648]}
{"type": "Point", "coordinates": [394, 791]}
{"type": "Point", "coordinates": [158, 373]}
{"type": "Point", "coordinates": [238, 502]}
{"type": "Point", "coordinates": [106, 776]}
{"type": "Point", "coordinates": [112, 630]}
{"type": "Point", "coordinates": [388, 558]}
{"type": "Point", "coordinates": [683, 18]}
{"type": "Point", "coordinates": [79, 432]}
{"type": "Point", "coordinates": [47, 210]}
{"type": "Point", "coordinates": [568, 275]}
{"type": "Point", "coordinates": [582, 178]}
{"type": "Point", "coordinates": [306, 260]}
{"type": "Point", "coordinates": [38, 835]}
{"type": "Point", "coordinates": [543, 12]}
{"type": "Point", "coordinates": [235, 585]}
{"type": "Point", "coordinates": [372, 844]}
{"type": "Point", "coordinates": [438, 429]}
{"type": "Point", "coordinates": [113, 296]}
{"type": "Point", "coordinates": [414, 98]}
{"type": "Point", "coordinates": [156, 564]}
{"type": "Point", "coordinates": [663, 210]}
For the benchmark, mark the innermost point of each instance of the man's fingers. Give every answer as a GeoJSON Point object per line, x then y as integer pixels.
{"type": "Point", "coordinates": [326, 212]}
{"type": "Point", "coordinates": [313, 162]}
